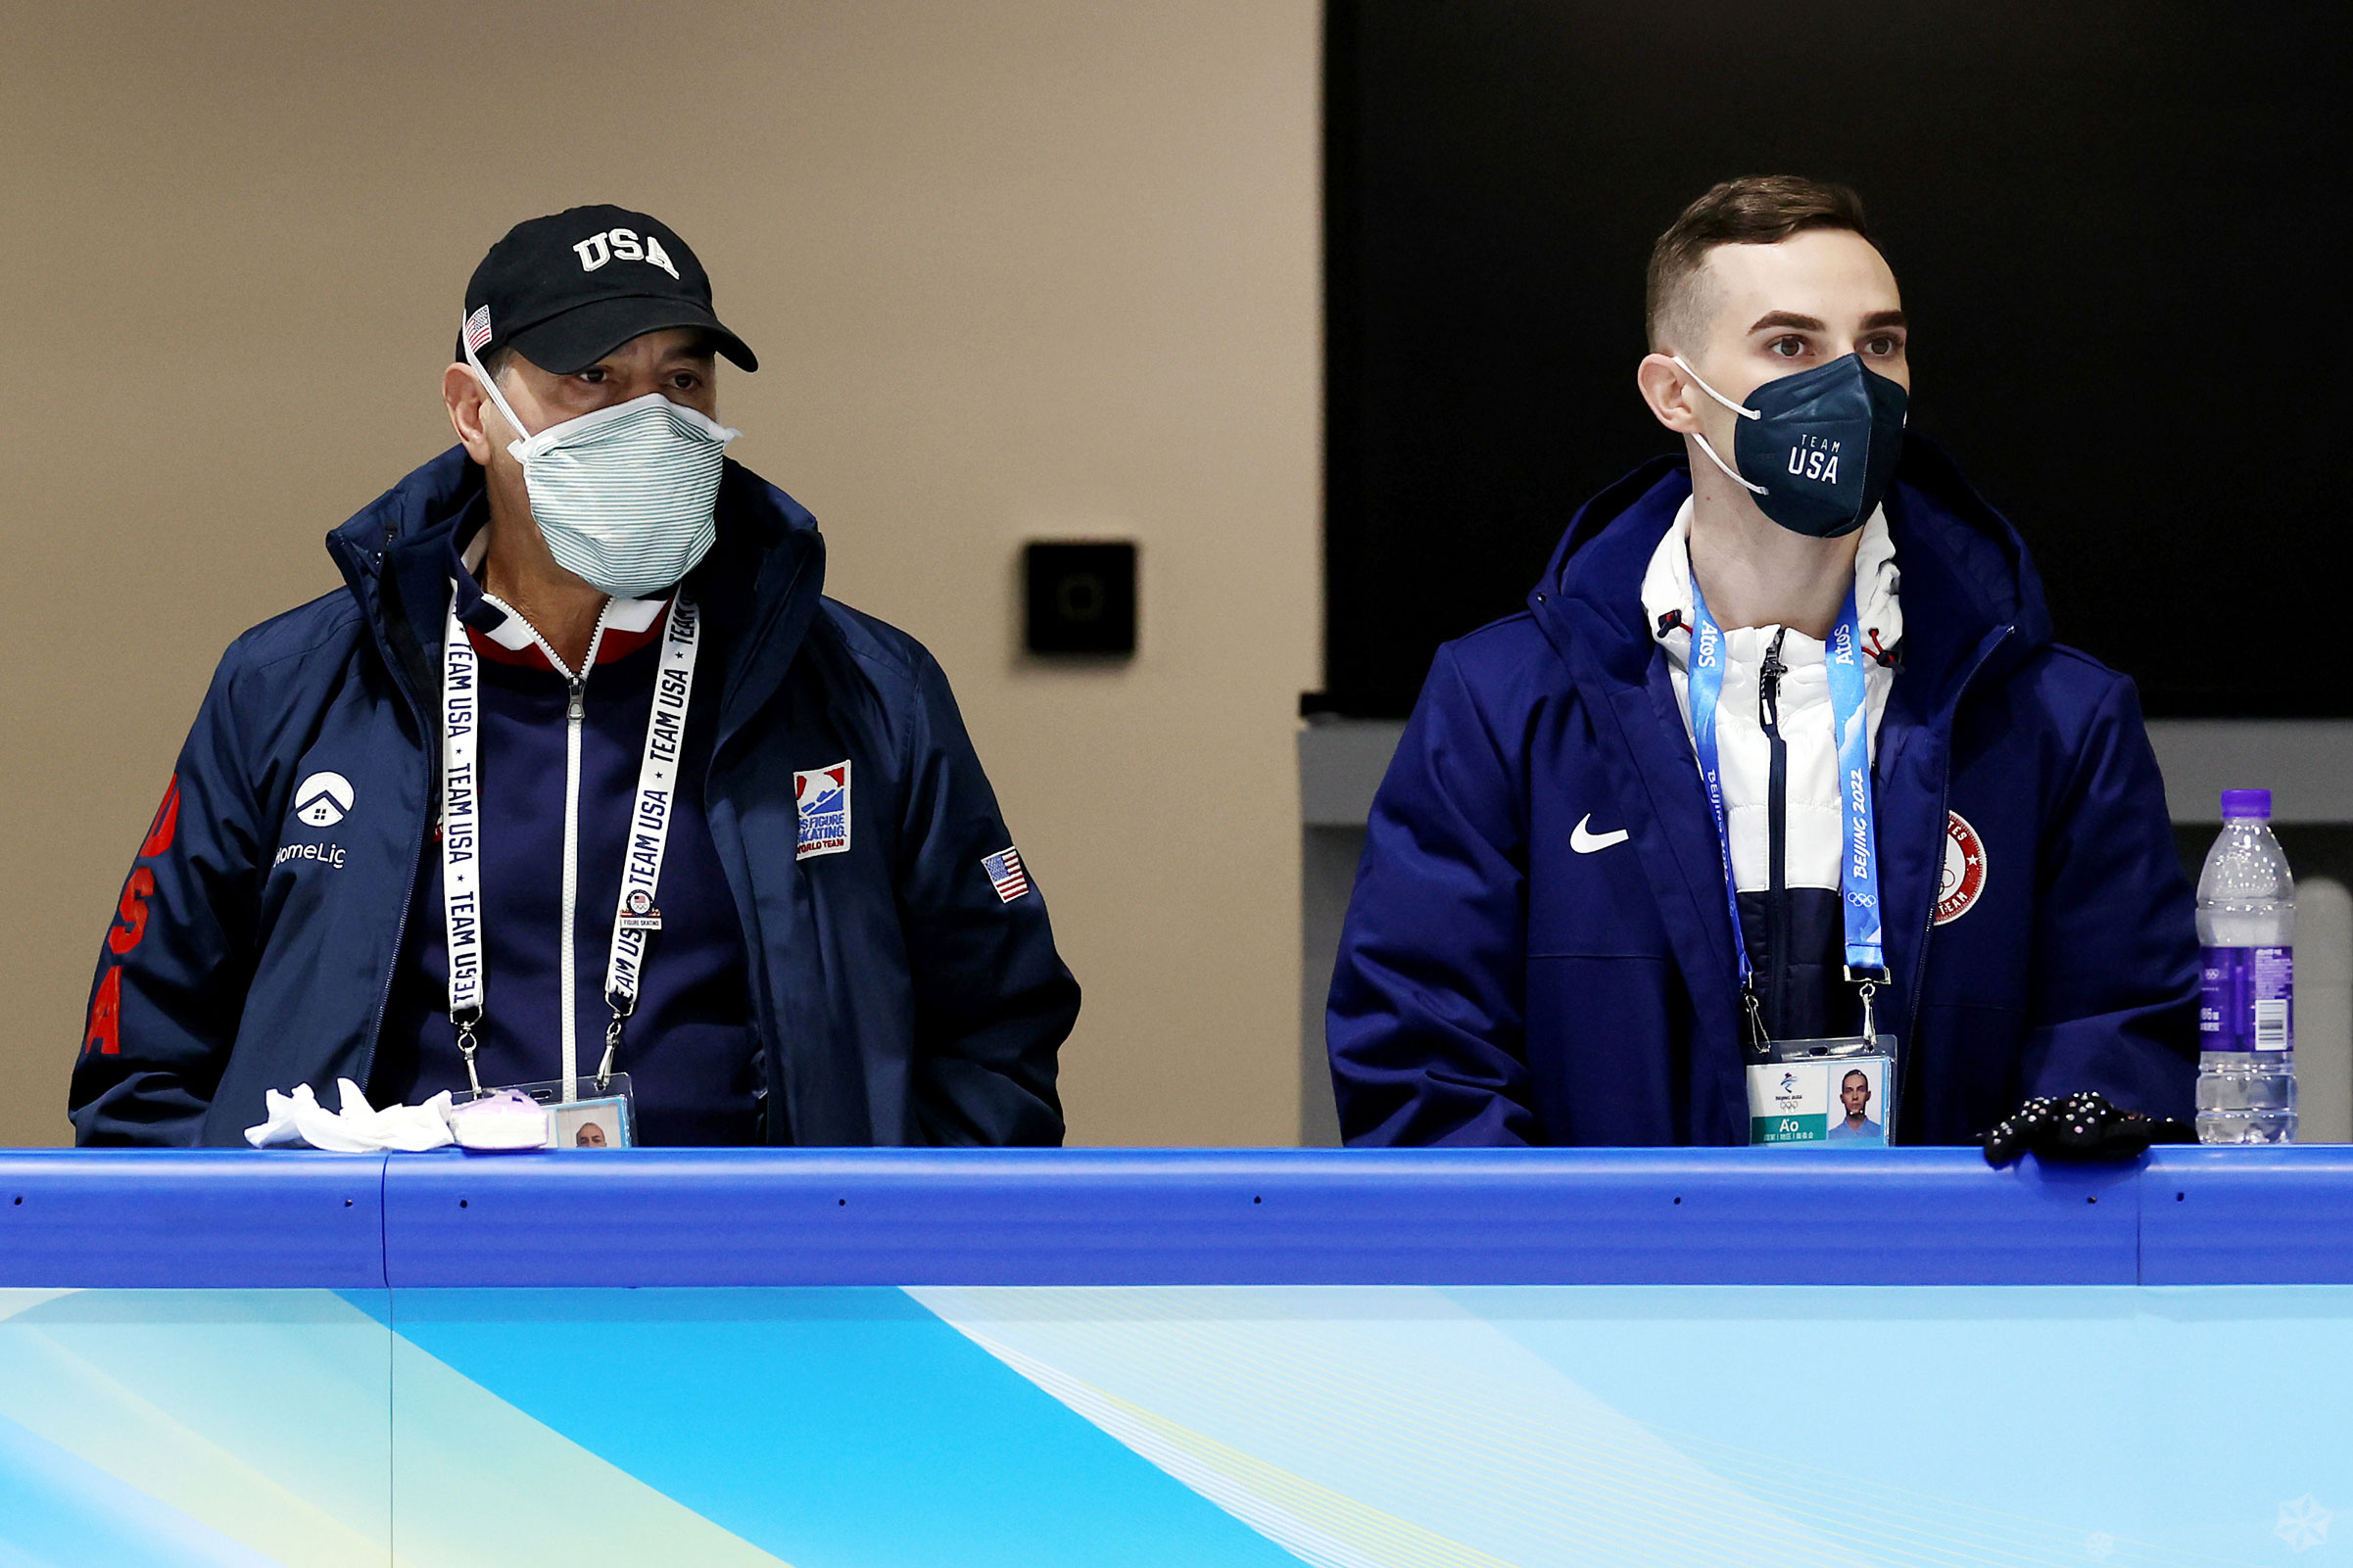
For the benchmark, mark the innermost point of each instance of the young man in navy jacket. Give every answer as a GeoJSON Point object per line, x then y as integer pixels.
{"type": "Point", "coordinates": [1806, 664]}
{"type": "Point", "coordinates": [581, 760]}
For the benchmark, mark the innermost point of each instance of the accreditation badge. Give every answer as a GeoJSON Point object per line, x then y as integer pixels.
{"type": "Point", "coordinates": [591, 1112]}
{"type": "Point", "coordinates": [1824, 1092]}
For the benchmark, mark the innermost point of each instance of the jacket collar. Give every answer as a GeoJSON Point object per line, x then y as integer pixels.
{"type": "Point", "coordinates": [759, 586]}
{"type": "Point", "coordinates": [501, 634]}
{"type": "Point", "coordinates": [1965, 573]}
{"type": "Point", "coordinates": [1669, 606]}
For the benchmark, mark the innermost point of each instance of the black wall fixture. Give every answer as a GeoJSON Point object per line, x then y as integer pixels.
{"type": "Point", "coordinates": [1079, 597]}
{"type": "Point", "coordinates": [2119, 228]}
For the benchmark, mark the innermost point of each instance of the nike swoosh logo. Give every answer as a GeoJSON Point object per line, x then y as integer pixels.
{"type": "Point", "coordinates": [1585, 844]}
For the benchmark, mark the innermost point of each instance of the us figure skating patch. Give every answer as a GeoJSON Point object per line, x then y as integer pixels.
{"type": "Point", "coordinates": [822, 797]}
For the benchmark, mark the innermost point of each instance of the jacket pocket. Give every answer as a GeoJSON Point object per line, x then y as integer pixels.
{"type": "Point", "coordinates": [1966, 1070]}
{"type": "Point", "coordinates": [1609, 1047]}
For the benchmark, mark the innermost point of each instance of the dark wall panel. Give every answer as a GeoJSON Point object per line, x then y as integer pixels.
{"type": "Point", "coordinates": [2120, 231]}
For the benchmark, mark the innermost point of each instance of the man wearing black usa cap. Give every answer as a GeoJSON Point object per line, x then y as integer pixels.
{"type": "Point", "coordinates": [1733, 781]}
{"type": "Point", "coordinates": [582, 772]}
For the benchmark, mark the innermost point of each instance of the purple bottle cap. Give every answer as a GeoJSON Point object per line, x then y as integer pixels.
{"type": "Point", "coordinates": [2238, 804]}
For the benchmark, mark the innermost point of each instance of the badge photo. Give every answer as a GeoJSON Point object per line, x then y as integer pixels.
{"type": "Point", "coordinates": [821, 795]}
{"type": "Point", "coordinates": [1965, 875]}
{"type": "Point", "coordinates": [588, 1125]}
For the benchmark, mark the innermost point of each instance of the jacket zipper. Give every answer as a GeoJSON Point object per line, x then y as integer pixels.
{"type": "Point", "coordinates": [1777, 886]}
{"type": "Point", "coordinates": [575, 720]}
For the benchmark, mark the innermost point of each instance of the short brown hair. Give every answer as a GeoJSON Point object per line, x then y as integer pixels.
{"type": "Point", "coordinates": [1760, 209]}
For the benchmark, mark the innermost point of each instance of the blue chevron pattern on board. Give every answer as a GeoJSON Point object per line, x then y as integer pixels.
{"type": "Point", "coordinates": [832, 1427]}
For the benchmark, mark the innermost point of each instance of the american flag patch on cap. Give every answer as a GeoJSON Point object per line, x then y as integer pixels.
{"type": "Point", "coordinates": [477, 330]}
{"type": "Point", "coordinates": [1004, 869]}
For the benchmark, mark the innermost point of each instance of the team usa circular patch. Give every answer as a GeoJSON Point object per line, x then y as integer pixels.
{"type": "Point", "coordinates": [1964, 869]}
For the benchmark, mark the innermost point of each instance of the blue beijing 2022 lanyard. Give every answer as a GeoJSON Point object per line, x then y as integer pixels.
{"type": "Point", "coordinates": [1859, 857]}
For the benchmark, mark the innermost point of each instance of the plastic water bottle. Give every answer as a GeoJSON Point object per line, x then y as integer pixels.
{"type": "Point", "coordinates": [2247, 980]}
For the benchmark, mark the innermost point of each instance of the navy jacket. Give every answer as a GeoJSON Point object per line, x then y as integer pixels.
{"type": "Point", "coordinates": [897, 998]}
{"type": "Point", "coordinates": [1496, 987]}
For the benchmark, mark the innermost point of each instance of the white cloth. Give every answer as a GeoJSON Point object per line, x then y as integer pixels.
{"type": "Point", "coordinates": [298, 1120]}
{"type": "Point", "coordinates": [500, 1123]}
{"type": "Point", "coordinates": [1816, 825]}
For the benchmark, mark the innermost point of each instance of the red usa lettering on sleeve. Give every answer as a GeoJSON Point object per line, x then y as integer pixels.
{"type": "Point", "coordinates": [104, 1030]}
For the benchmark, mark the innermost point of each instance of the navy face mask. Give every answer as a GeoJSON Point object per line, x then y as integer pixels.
{"type": "Point", "coordinates": [1824, 442]}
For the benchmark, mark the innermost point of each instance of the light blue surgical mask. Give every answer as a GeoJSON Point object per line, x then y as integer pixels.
{"type": "Point", "coordinates": [624, 496]}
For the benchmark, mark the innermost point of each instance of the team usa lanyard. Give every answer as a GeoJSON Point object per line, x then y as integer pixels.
{"type": "Point", "coordinates": [1858, 850]}
{"type": "Point", "coordinates": [635, 914]}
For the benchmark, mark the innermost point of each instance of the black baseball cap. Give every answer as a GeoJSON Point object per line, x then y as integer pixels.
{"type": "Point", "coordinates": [568, 290]}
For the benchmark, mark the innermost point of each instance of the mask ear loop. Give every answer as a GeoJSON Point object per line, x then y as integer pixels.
{"type": "Point", "coordinates": [514, 447]}
{"type": "Point", "coordinates": [1708, 445]}
{"type": "Point", "coordinates": [709, 428]}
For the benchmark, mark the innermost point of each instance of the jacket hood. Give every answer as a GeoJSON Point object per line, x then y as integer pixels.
{"type": "Point", "coordinates": [1966, 574]}
{"type": "Point", "coordinates": [759, 586]}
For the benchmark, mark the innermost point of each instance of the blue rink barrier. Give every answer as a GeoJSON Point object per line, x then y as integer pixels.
{"type": "Point", "coordinates": [1089, 1356]}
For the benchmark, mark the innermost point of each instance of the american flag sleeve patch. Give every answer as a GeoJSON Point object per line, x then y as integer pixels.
{"type": "Point", "coordinates": [1005, 873]}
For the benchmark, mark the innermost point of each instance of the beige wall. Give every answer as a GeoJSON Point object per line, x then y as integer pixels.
{"type": "Point", "coordinates": [1014, 270]}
